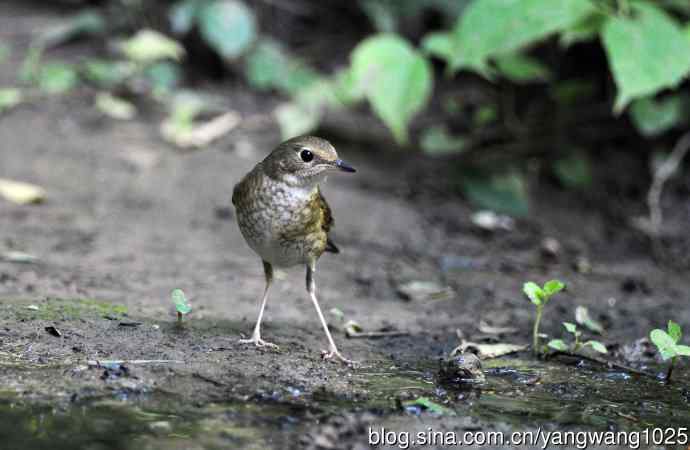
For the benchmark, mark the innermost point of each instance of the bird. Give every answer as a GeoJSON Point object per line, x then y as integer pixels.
{"type": "Point", "coordinates": [285, 219]}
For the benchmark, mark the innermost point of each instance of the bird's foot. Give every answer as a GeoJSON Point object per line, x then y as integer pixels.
{"type": "Point", "coordinates": [335, 354]}
{"type": "Point", "coordinates": [258, 342]}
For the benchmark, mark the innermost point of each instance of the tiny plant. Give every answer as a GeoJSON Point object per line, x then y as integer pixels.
{"type": "Point", "coordinates": [540, 297]}
{"type": "Point", "coordinates": [182, 306]}
{"type": "Point", "coordinates": [668, 346]}
{"type": "Point", "coordinates": [560, 345]}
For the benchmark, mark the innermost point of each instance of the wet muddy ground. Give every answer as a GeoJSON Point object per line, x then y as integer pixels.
{"type": "Point", "coordinates": [127, 218]}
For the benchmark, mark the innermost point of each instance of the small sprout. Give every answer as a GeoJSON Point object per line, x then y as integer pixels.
{"type": "Point", "coordinates": [429, 405]}
{"type": "Point", "coordinates": [338, 314]}
{"type": "Point", "coordinates": [583, 318]}
{"type": "Point", "coordinates": [572, 328]}
{"type": "Point", "coordinates": [560, 345]}
{"type": "Point", "coordinates": [540, 297]}
{"type": "Point", "coordinates": [668, 346]}
{"type": "Point", "coordinates": [181, 304]}
{"type": "Point", "coordinates": [115, 107]}
{"type": "Point", "coordinates": [597, 346]}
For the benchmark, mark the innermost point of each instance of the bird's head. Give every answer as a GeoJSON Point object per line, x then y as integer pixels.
{"type": "Point", "coordinates": [304, 161]}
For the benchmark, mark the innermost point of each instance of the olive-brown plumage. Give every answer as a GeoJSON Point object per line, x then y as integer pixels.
{"type": "Point", "coordinates": [284, 217]}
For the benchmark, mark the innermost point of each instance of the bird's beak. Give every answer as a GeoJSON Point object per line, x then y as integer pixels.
{"type": "Point", "coordinates": [345, 167]}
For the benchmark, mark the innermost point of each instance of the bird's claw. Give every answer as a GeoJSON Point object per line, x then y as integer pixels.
{"type": "Point", "coordinates": [333, 353]}
{"type": "Point", "coordinates": [259, 343]}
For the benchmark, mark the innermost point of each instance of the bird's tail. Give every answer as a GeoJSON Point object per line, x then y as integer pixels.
{"type": "Point", "coordinates": [331, 247]}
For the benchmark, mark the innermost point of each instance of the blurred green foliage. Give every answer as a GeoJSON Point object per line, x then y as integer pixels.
{"type": "Point", "coordinates": [646, 44]}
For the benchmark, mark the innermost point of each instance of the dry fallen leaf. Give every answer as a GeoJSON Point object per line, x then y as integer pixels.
{"type": "Point", "coordinates": [488, 351]}
{"type": "Point", "coordinates": [21, 193]}
{"type": "Point", "coordinates": [424, 290]}
{"type": "Point", "coordinates": [200, 135]}
{"type": "Point", "coordinates": [484, 327]}
{"type": "Point", "coordinates": [18, 257]}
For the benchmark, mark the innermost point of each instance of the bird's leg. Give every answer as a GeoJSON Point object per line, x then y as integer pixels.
{"type": "Point", "coordinates": [256, 335]}
{"type": "Point", "coordinates": [332, 349]}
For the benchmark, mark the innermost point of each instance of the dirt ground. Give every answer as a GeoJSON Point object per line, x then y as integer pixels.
{"type": "Point", "coordinates": [128, 218]}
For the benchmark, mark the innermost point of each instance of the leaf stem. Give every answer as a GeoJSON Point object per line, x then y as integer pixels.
{"type": "Point", "coordinates": [535, 331]}
{"type": "Point", "coordinates": [670, 370]}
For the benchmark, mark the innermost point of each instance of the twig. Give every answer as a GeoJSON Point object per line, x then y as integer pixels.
{"type": "Point", "coordinates": [374, 334]}
{"type": "Point", "coordinates": [605, 362]}
{"type": "Point", "coordinates": [99, 363]}
{"type": "Point", "coordinates": [208, 379]}
{"type": "Point", "coordinates": [665, 171]}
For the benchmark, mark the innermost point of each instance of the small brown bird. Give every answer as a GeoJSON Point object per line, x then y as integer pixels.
{"type": "Point", "coordinates": [285, 219]}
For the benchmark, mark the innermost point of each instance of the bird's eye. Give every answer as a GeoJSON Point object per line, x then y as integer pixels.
{"type": "Point", "coordinates": [306, 155]}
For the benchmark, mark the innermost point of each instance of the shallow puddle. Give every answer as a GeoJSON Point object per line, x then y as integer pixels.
{"type": "Point", "coordinates": [520, 393]}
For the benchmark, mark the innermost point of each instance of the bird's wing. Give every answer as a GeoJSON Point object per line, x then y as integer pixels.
{"type": "Point", "coordinates": [327, 222]}
{"type": "Point", "coordinates": [243, 189]}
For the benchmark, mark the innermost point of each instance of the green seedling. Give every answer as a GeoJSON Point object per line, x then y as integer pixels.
{"type": "Point", "coordinates": [182, 306]}
{"type": "Point", "coordinates": [560, 345]}
{"type": "Point", "coordinates": [429, 405]}
{"type": "Point", "coordinates": [540, 297]}
{"type": "Point", "coordinates": [668, 346]}
{"type": "Point", "coordinates": [583, 318]}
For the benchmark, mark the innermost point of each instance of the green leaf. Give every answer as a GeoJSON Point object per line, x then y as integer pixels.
{"type": "Point", "coordinates": [381, 14]}
{"type": "Point", "coordinates": [345, 89]}
{"type": "Point", "coordinates": [295, 119]}
{"type": "Point", "coordinates": [268, 66]}
{"type": "Point", "coordinates": [115, 107]}
{"type": "Point", "coordinates": [148, 46]}
{"type": "Point", "coordinates": [574, 171]}
{"type": "Point", "coordinates": [597, 346]}
{"type": "Point", "coordinates": [571, 327]}
{"type": "Point", "coordinates": [674, 331]}
{"type": "Point", "coordinates": [647, 52]}
{"type": "Point", "coordinates": [30, 68]}
{"type": "Point", "coordinates": [664, 343]}
{"type": "Point", "coordinates": [533, 292]}
{"type": "Point", "coordinates": [439, 44]}
{"type": "Point", "coordinates": [505, 193]}
{"type": "Point", "coordinates": [395, 78]}
{"type": "Point", "coordinates": [228, 26]}
{"type": "Point", "coordinates": [57, 78]}
{"type": "Point", "coordinates": [184, 109]}
{"type": "Point", "coordinates": [520, 68]}
{"type": "Point", "coordinates": [431, 406]}
{"type": "Point", "coordinates": [180, 301]}
{"type": "Point", "coordinates": [183, 15]}
{"type": "Point", "coordinates": [652, 118]}
{"type": "Point", "coordinates": [495, 27]}
{"type": "Point", "coordinates": [107, 74]}
{"type": "Point", "coordinates": [164, 75]}
{"type": "Point", "coordinates": [585, 30]}
{"type": "Point", "coordinates": [9, 98]}
{"type": "Point", "coordinates": [85, 23]}
{"type": "Point", "coordinates": [683, 350]}
{"type": "Point", "coordinates": [553, 287]}
{"type": "Point", "coordinates": [583, 318]}
{"type": "Point", "coordinates": [437, 141]}
{"type": "Point", "coordinates": [558, 344]}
